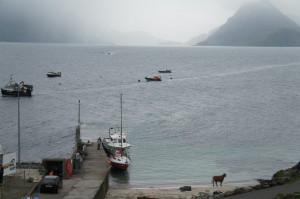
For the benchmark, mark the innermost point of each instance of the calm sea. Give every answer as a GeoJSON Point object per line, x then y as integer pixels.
{"type": "Point", "coordinates": [222, 109]}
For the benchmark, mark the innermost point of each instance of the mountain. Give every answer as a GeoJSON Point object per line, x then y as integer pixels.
{"type": "Point", "coordinates": [295, 19]}
{"type": "Point", "coordinates": [256, 24]}
{"type": "Point", "coordinates": [21, 29]}
{"type": "Point", "coordinates": [196, 40]}
{"type": "Point", "coordinates": [20, 23]}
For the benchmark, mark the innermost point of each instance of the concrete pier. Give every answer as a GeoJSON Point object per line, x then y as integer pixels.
{"type": "Point", "coordinates": [92, 179]}
{"type": "Point", "coordinates": [89, 182]}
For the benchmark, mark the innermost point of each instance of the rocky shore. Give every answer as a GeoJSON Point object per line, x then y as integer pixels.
{"type": "Point", "coordinates": [281, 177]}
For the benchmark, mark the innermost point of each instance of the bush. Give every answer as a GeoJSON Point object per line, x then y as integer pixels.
{"type": "Point", "coordinates": [295, 195]}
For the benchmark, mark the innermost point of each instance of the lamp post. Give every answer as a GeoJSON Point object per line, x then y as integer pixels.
{"type": "Point", "coordinates": [19, 142]}
{"type": "Point", "coordinates": [78, 112]}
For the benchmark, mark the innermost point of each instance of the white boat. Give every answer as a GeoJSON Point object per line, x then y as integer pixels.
{"type": "Point", "coordinates": [116, 140]}
{"type": "Point", "coordinates": [119, 160]}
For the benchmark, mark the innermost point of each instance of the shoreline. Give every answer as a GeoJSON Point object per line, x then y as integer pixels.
{"type": "Point", "coordinates": [177, 185]}
{"type": "Point", "coordinates": [172, 192]}
{"type": "Point", "coordinates": [288, 178]}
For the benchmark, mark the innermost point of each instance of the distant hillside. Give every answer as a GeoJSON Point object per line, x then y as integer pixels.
{"type": "Point", "coordinates": [196, 40]}
{"type": "Point", "coordinates": [20, 29]}
{"type": "Point", "coordinates": [256, 24]}
{"type": "Point", "coordinates": [20, 23]}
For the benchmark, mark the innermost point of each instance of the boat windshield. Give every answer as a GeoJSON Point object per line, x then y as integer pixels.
{"type": "Point", "coordinates": [120, 140]}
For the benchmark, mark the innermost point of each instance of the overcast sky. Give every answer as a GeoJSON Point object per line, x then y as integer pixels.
{"type": "Point", "coordinates": [177, 20]}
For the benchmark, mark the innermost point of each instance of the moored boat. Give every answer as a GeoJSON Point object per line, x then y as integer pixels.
{"type": "Point", "coordinates": [154, 78]}
{"type": "Point", "coordinates": [54, 74]}
{"type": "Point", "coordinates": [165, 71]}
{"type": "Point", "coordinates": [116, 140]}
{"type": "Point", "coordinates": [14, 89]}
{"type": "Point", "coordinates": [119, 160]}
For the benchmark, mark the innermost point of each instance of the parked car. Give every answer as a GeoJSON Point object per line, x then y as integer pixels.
{"type": "Point", "coordinates": [51, 183]}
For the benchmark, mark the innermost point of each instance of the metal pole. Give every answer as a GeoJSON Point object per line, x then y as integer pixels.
{"type": "Point", "coordinates": [78, 112]}
{"type": "Point", "coordinates": [19, 141]}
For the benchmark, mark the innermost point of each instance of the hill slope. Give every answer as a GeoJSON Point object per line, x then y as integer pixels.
{"type": "Point", "coordinates": [256, 24]}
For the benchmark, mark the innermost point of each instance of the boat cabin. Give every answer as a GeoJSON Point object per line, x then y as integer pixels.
{"type": "Point", "coordinates": [116, 138]}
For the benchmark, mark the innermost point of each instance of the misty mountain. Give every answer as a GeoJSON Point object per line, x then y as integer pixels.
{"type": "Point", "coordinates": [256, 24]}
{"type": "Point", "coordinates": [295, 19]}
{"type": "Point", "coordinates": [22, 29]}
{"type": "Point", "coordinates": [196, 40]}
{"type": "Point", "coordinates": [19, 22]}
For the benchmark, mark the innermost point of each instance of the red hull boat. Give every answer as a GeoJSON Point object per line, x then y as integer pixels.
{"type": "Point", "coordinates": [155, 78]}
{"type": "Point", "coordinates": [119, 160]}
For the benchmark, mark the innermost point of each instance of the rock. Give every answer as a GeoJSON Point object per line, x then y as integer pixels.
{"type": "Point", "coordinates": [217, 192]}
{"type": "Point", "coordinates": [30, 180]}
{"type": "Point", "coordinates": [239, 191]}
{"type": "Point", "coordinates": [264, 186]}
{"type": "Point", "coordinates": [185, 188]}
{"type": "Point", "coordinates": [203, 195]}
{"type": "Point", "coordinates": [297, 166]}
{"type": "Point", "coordinates": [228, 193]}
{"type": "Point", "coordinates": [256, 187]}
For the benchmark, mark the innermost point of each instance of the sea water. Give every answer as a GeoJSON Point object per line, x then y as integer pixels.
{"type": "Point", "coordinates": [233, 110]}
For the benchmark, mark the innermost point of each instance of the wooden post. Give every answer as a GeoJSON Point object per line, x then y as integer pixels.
{"type": "Point", "coordinates": [24, 180]}
{"type": "Point", "coordinates": [15, 182]}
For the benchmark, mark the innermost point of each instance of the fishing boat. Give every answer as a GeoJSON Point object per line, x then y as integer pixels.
{"type": "Point", "coordinates": [155, 78]}
{"type": "Point", "coordinates": [14, 89]}
{"type": "Point", "coordinates": [165, 71]}
{"type": "Point", "coordinates": [119, 160]}
{"type": "Point", "coordinates": [54, 74]}
{"type": "Point", "coordinates": [116, 140]}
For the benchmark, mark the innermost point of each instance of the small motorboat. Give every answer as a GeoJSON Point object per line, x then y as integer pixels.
{"type": "Point", "coordinates": [155, 78]}
{"type": "Point", "coordinates": [119, 160]}
{"type": "Point", "coordinates": [165, 71]}
{"type": "Point", "coordinates": [54, 74]}
{"type": "Point", "coordinates": [15, 89]}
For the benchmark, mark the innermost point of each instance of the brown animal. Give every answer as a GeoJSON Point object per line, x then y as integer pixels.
{"type": "Point", "coordinates": [217, 179]}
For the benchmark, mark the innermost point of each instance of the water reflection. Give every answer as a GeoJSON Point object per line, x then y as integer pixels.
{"type": "Point", "coordinates": [118, 178]}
